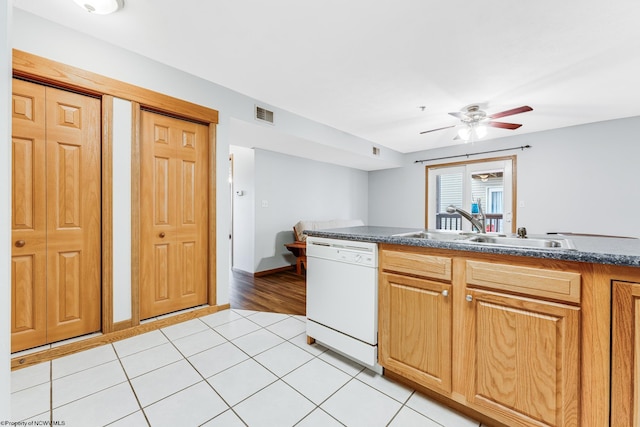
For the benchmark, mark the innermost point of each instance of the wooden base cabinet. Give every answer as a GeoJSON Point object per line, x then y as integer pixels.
{"type": "Point", "coordinates": [416, 331]}
{"type": "Point", "coordinates": [499, 338]}
{"type": "Point", "coordinates": [625, 362]}
{"type": "Point", "coordinates": [522, 358]}
{"type": "Point", "coordinates": [415, 317]}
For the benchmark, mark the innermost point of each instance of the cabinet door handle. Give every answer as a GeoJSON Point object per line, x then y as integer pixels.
{"type": "Point", "coordinates": [445, 293]}
{"type": "Point", "coordinates": [162, 235]}
{"type": "Point", "coordinates": [469, 298]}
{"type": "Point", "coordinates": [20, 243]}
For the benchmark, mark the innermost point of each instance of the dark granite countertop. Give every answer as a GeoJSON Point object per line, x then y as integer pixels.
{"type": "Point", "coordinates": [598, 250]}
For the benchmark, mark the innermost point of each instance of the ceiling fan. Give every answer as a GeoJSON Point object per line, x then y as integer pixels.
{"type": "Point", "coordinates": [475, 121]}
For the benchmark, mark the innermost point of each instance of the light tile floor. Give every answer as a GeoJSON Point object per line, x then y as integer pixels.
{"type": "Point", "coordinates": [231, 368]}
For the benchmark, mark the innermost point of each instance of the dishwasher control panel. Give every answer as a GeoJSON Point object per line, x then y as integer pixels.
{"type": "Point", "coordinates": [351, 252]}
{"type": "Point", "coordinates": [346, 255]}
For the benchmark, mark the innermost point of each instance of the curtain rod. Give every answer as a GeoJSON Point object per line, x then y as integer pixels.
{"type": "Point", "coordinates": [522, 147]}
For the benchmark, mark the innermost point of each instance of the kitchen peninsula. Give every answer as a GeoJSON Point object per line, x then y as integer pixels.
{"type": "Point", "coordinates": [513, 335]}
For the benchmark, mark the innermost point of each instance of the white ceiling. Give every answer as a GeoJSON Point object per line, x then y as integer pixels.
{"type": "Point", "coordinates": [366, 66]}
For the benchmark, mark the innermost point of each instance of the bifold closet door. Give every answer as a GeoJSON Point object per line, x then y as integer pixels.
{"type": "Point", "coordinates": [73, 215]}
{"type": "Point", "coordinates": [174, 214]}
{"type": "Point", "coordinates": [28, 217]}
{"type": "Point", "coordinates": [56, 224]}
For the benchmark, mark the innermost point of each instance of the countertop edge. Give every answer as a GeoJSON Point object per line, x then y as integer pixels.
{"type": "Point", "coordinates": [387, 235]}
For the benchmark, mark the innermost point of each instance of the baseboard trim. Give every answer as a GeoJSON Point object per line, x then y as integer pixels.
{"type": "Point", "coordinates": [75, 347]}
{"type": "Point", "coordinates": [122, 325]}
{"type": "Point", "coordinates": [273, 271]}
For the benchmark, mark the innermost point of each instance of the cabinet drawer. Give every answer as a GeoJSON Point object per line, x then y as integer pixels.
{"type": "Point", "coordinates": [558, 285]}
{"type": "Point", "coordinates": [433, 267]}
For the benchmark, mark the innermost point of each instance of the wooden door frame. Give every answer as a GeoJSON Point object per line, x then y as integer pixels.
{"type": "Point", "coordinates": [46, 71]}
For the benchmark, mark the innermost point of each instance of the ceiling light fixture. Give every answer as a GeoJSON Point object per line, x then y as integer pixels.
{"type": "Point", "coordinates": [100, 7]}
{"type": "Point", "coordinates": [472, 131]}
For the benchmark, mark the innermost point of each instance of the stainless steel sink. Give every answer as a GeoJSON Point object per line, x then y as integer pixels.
{"type": "Point", "coordinates": [490, 239]}
{"type": "Point", "coordinates": [524, 243]}
{"type": "Point", "coordinates": [435, 235]}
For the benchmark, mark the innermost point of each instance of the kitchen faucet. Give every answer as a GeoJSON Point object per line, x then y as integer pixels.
{"type": "Point", "coordinates": [478, 224]}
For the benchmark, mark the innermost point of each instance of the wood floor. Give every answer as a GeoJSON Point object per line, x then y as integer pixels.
{"type": "Point", "coordinates": [283, 292]}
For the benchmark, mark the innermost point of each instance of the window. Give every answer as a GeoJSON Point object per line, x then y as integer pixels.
{"type": "Point", "coordinates": [488, 182]}
{"type": "Point", "coordinates": [494, 200]}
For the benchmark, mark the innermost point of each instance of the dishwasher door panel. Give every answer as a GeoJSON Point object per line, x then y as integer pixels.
{"type": "Point", "coordinates": [343, 297]}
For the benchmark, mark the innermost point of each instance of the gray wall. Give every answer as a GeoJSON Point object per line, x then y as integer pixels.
{"type": "Point", "coordinates": [578, 179]}
{"type": "Point", "coordinates": [292, 189]}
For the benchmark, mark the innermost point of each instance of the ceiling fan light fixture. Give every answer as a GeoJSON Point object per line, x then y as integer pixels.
{"type": "Point", "coordinates": [480, 130]}
{"type": "Point", "coordinates": [464, 133]}
{"type": "Point", "coordinates": [100, 7]}
{"type": "Point", "coordinates": [475, 121]}
{"type": "Point", "coordinates": [472, 132]}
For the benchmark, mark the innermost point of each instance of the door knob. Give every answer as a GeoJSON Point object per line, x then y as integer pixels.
{"type": "Point", "coordinates": [469, 298]}
{"type": "Point", "coordinates": [445, 293]}
{"type": "Point", "coordinates": [20, 243]}
{"type": "Point", "coordinates": [162, 235]}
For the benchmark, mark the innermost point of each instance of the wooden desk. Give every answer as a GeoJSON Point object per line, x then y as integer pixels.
{"type": "Point", "coordinates": [299, 250]}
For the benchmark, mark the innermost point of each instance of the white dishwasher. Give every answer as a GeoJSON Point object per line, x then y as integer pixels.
{"type": "Point", "coordinates": [342, 297]}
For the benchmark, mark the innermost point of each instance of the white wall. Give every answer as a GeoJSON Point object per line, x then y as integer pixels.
{"type": "Point", "coordinates": [285, 190]}
{"type": "Point", "coordinates": [243, 208]}
{"type": "Point", "coordinates": [5, 210]}
{"type": "Point", "coordinates": [122, 125]}
{"type": "Point", "coordinates": [578, 179]}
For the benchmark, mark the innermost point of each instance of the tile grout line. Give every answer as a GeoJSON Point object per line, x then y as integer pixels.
{"type": "Point", "coordinates": [278, 378]}
{"type": "Point", "coordinates": [318, 406]}
{"type": "Point", "coordinates": [240, 349]}
{"type": "Point", "coordinates": [51, 391]}
{"type": "Point", "coordinates": [201, 376]}
{"type": "Point", "coordinates": [133, 390]}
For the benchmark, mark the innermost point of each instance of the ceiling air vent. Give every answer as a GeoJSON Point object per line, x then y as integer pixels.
{"type": "Point", "coordinates": [264, 115]}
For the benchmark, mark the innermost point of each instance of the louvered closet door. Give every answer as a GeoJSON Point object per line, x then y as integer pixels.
{"type": "Point", "coordinates": [174, 216]}
{"type": "Point", "coordinates": [55, 215]}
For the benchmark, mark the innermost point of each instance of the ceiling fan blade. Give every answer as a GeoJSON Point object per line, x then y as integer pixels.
{"type": "Point", "coordinates": [458, 114]}
{"type": "Point", "coordinates": [511, 112]}
{"type": "Point", "coordinates": [433, 130]}
{"type": "Point", "coordinates": [501, 125]}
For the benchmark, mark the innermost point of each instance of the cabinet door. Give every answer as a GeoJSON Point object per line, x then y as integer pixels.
{"type": "Point", "coordinates": [415, 329]}
{"type": "Point", "coordinates": [625, 362]}
{"type": "Point", "coordinates": [523, 359]}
